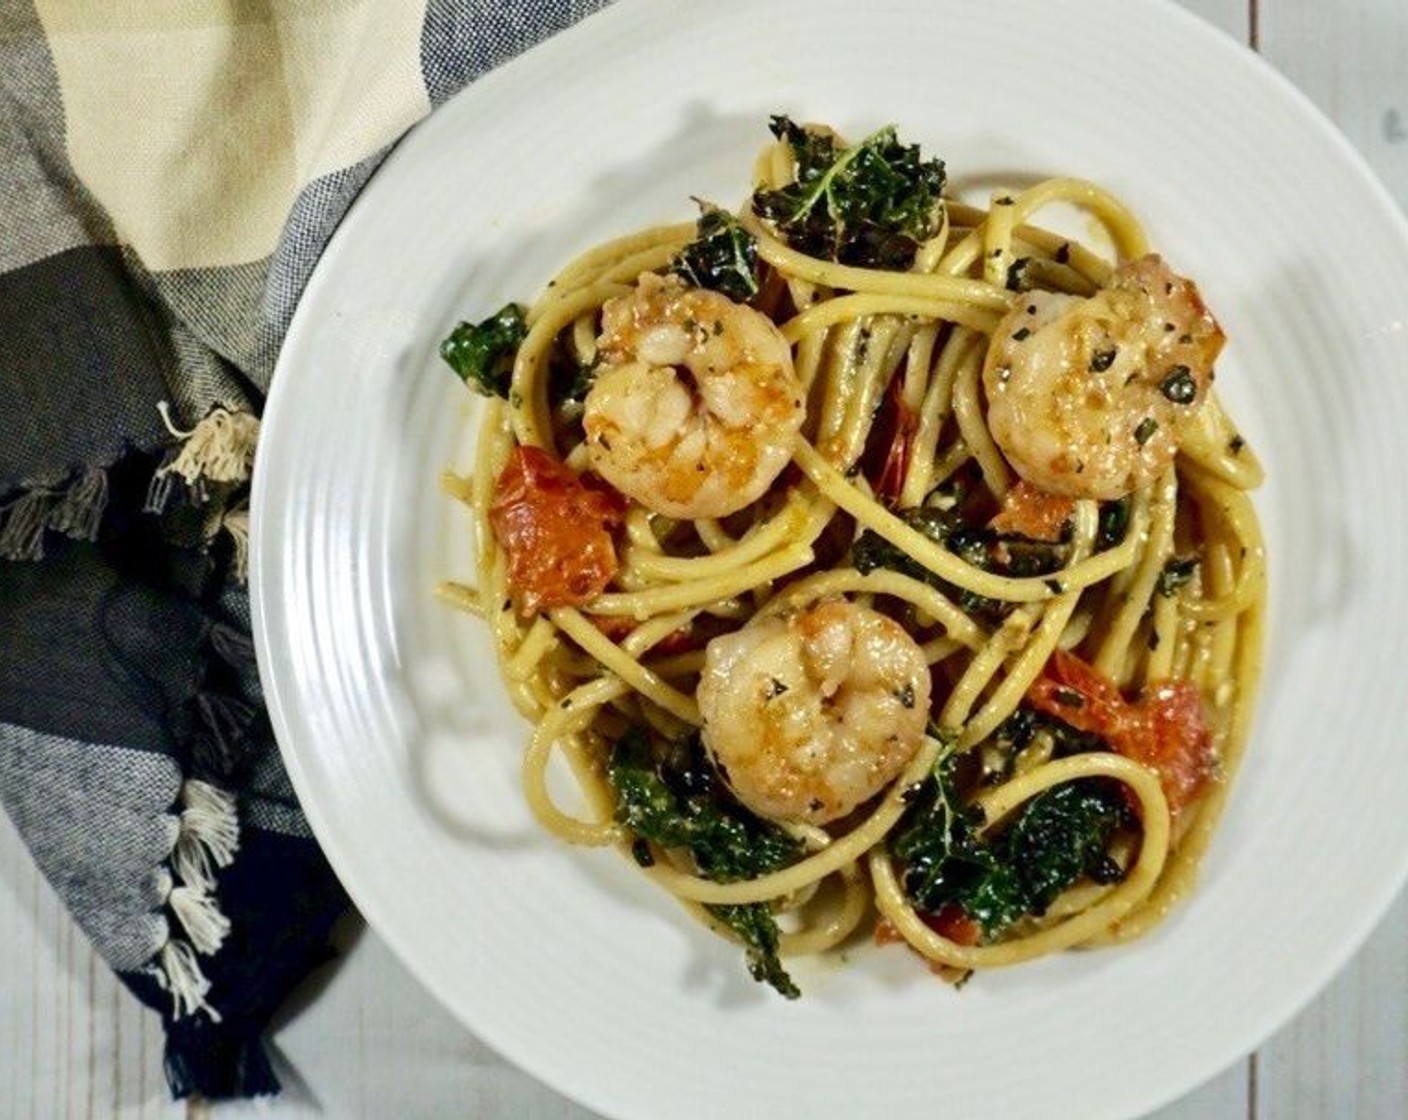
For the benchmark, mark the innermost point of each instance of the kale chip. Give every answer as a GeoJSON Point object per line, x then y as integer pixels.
{"type": "Point", "coordinates": [482, 354]}
{"type": "Point", "coordinates": [870, 205]}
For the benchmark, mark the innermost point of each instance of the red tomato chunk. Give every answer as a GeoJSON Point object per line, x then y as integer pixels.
{"type": "Point", "coordinates": [1033, 513]}
{"type": "Point", "coordinates": [555, 527]}
{"type": "Point", "coordinates": [1166, 729]}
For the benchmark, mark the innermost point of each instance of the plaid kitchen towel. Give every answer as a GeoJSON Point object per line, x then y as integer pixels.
{"type": "Point", "coordinates": [169, 172]}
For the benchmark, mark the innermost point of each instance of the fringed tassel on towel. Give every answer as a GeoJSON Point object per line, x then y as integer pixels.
{"type": "Point", "coordinates": [22, 525]}
{"type": "Point", "coordinates": [178, 972]}
{"type": "Point", "coordinates": [215, 749]}
{"type": "Point", "coordinates": [75, 510]}
{"type": "Point", "coordinates": [217, 1062]}
{"type": "Point", "coordinates": [234, 647]}
{"type": "Point", "coordinates": [236, 524]}
{"type": "Point", "coordinates": [200, 917]}
{"type": "Point", "coordinates": [218, 449]}
{"type": "Point", "coordinates": [79, 512]}
{"type": "Point", "coordinates": [207, 838]}
{"type": "Point", "coordinates": [209, 834]}
{"type": "Point", "coordinates": [159, 493]}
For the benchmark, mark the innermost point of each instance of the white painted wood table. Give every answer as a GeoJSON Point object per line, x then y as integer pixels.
{"type": "Point", "coordinates": [364, 1040]}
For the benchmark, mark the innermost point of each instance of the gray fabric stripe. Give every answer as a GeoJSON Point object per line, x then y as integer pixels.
{"type": "Point", "coordinates": [44, 209]}
{"type": "Point", "coordinates": [316, 213]}
{"type": "Point", "coordinates": [463, 39]}
{"type": "Point", "coordinates": [221, 313]}
{"type": "Point", "coordinates": [268, 801]}
{"type": "Point", "coordinates": [97, 821]}
{"type": "Point", "coordinates": [242, 312]}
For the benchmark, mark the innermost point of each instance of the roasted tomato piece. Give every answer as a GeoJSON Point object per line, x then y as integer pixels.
{"type": "Point", "coordinates": [555, 527]}
{"type": "Point", "coordinates": [1166, 729]}
{"type": "Point", "coordinates": [902, 426]}
{"type": "Point", "coordinates": [1077, 695]}
{"type": "Point", "coordinates": [1033, 513]}
{"type": "Point", "coordinates": [951, 922]}
{"type": "Point", "coordinates": [1179, 741]}
{"type": "Point", "coordinates": [954, 923]}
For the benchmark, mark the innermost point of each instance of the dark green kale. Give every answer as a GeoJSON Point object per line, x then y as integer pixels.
{"type": "Point", "coordinates": [482, 353]}
{"type": "Point", "coordinates": [946, 864]}
{"type": "Point", "coordinates": [757, 929]}
{"type": "Point", "coordinates": [569, 379]}
{"type": "Point", "coordinates": [871, 551]}
{"type": "Point", "coordinates": [1061, 836]}
{"type": "Point", "coordinates": [1019, 730]}
{"type": "Point", "coordinates": [671, 796]}
{"type": "Point", "coordinates": [723, 257]}
{"type": "Point", "coordinates": [1175, 573]}
{"type": "Point", "coordinates": [870, 205]}
{"type": "Point", "coordinates": [1001, 554]}
{"type": "Point", "coordinates": [582, 382]}
{"type": "Point", "coordinates": [1057, 838]}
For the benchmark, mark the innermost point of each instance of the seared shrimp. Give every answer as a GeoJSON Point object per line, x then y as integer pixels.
{"type": "Point", "coordinates": [694, 409]}
{"type": "Point", "coordinates": [1090, 397]}
{"type": "Point", "coordinates": [811, 714]}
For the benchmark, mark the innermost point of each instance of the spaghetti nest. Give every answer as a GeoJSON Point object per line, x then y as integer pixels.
{"type": "Point", "coordinates": [879, 564]}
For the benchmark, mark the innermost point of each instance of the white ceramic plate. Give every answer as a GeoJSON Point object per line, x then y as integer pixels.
{"type": "Point", "coordinates": [405, 752]}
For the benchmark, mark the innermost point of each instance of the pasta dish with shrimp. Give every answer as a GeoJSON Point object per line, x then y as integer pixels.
{"type": "Point", "coordinates": [880, 565]}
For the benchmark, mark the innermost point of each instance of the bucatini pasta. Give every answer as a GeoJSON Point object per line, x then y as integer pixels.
{"type": "Point", "coordinates": [881, 565]}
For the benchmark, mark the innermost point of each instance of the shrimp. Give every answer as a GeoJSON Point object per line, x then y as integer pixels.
{"type": "Point", "coordinates": [809, 715]}
{"type": "Point", "coordinates": [1090, 397]}
{"type": "Point", "coordinates": [694, 411]}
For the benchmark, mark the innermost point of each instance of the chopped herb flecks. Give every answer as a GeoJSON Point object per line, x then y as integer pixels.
{"type": "Point", "coordinates": [1017, 274]}
{"type": "Point", "coordinates": [1102, 360]}
{"type": "Point", "coordinates": [1179, 386]}
{"type": "Point", "coordinates": [1175, 573]}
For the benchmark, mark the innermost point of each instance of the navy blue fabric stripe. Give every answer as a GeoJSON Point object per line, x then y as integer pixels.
{"type": "Point", "coordinates": [91, 653]}
{"type": "Point", "coordinates": [282, 901]}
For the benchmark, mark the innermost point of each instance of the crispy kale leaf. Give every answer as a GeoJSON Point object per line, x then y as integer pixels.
{"type": "Point", "coordinates": [1020, 730]}
{"type": "Point", "coordinates": [975, 544]}
{"type": "Point", "coordinates": [482, 353]}
{"type": "Point", "coordinates": [1057, 838]}
{"type": "Point", "coordinates": [723, 256]}
{"type": "Point", "coordinates": [1061, 836]}
{"type": "Point", "coordinates": [757, 929]}
{"type": "Point", "coordinates": [871, 550]}
{"type": "Point", "coordinates": [871, 205]}
{"type": "Point", "coordinates": [944, 862]}
{"type": "Point", "coordinates": [672, 797]}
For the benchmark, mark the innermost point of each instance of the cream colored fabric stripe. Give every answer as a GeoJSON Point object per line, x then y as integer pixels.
{"type": "Point", "coordinates": [195, 123]}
